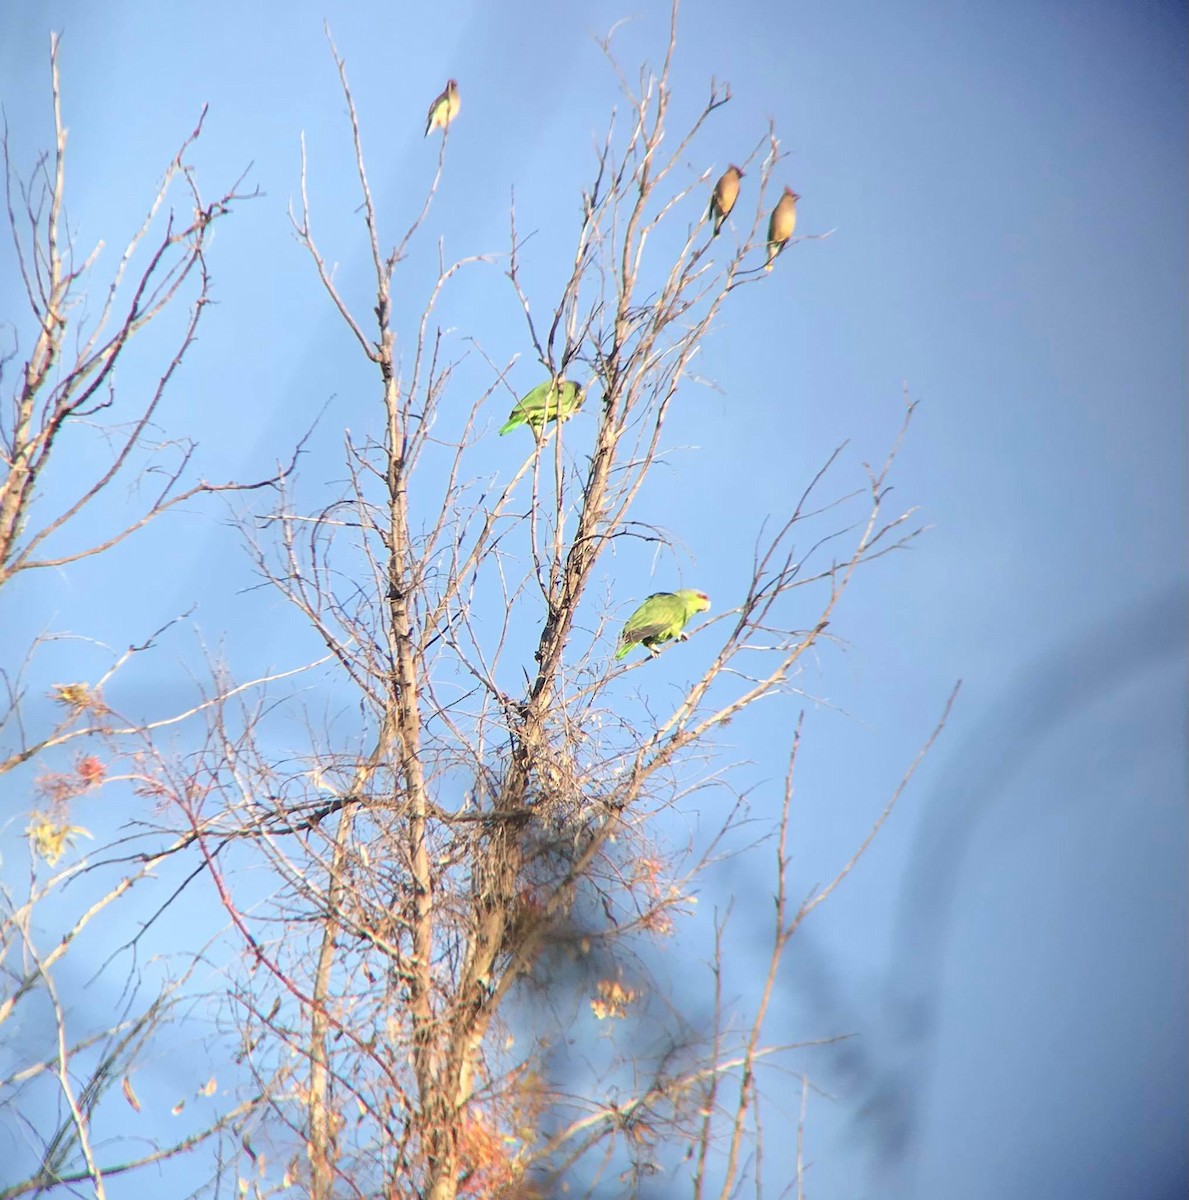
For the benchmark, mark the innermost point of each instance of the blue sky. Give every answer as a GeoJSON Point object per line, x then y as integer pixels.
{"type": "Point", "coordinates": [1008, 189]}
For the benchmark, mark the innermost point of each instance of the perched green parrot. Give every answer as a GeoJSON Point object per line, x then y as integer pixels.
{"type": "Point", "coordinates": [546, 402]}
{"type": "Point", "coordinates": [781, 224]}
{"type": "Point", "coordinates": [444, 109]}
{"type": "Point", "coordinates": [661, 618]}
{"type": "Point", "coordinates": [726, 192]}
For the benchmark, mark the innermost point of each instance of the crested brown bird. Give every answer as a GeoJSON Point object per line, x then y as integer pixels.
{"type": "Point", "coordinates": [726, 192]}
{"type": "Point", "coordinates": [781, 225]}
{"type": "Point", "coordinates": [444, 109]}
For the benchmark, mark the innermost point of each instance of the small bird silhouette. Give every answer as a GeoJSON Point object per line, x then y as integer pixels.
{"type": "Point", "coordinates": [726, 192]}
{"type": "Point", "coordinates": [781, 225]}
{"type": "Point", "coordinates": [444, 109]}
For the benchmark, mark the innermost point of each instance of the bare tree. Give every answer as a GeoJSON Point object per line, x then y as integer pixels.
{"type": "Point", "coordinates": [484, 840]}
{"type": "Point", "coordinates": [71, 442]}
{"type": "Point", "coordinates": [477, 847]}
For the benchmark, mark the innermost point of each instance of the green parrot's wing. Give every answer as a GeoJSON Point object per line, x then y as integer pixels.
{"type": "Point", "coordinates": [656, 629]}
{"type": "Point", "coordinates": [529, 409]}
{"type": "Point", "coordinates": [662, 616]}
{"type": "Point", "coordinates": [536, 403]}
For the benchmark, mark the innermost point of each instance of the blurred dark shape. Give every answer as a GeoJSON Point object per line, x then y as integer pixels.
{"type": "Point", "coordinates": [1095, 664]}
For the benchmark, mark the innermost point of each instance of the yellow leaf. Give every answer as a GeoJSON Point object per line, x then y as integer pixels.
{"type": "Point", "coordinates": [130, 1095]}
{"type": "Point", "coordinates": [50, 838]}
{"type": "Point", "coordinates": [77, 695]}
{"type": "Point", "coordinates": [612, 1001]}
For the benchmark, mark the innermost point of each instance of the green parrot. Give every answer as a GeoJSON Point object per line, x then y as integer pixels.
{"type": "Point", "coordinates": [661, 618]}
{"type": "Point", "coordinates": [545, 403]}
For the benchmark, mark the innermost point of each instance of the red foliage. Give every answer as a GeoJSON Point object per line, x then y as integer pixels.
{"type": "Point", "coordinates": [486, 1165]}
{"type": "Point", "coordinates": [91, 771]}
{"type": "Point", "coordinates": [58, 789]}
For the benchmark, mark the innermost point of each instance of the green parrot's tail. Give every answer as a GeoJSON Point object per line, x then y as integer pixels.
{"type": "Point", "coordinates": [623, 650]}
{"type": "Point", "coordinates": [513, 423]}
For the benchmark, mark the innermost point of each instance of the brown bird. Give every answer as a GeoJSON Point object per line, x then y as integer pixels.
{"type": "Point", "coordinates": [444, 109]}
{"type": "Point", "coordinates": [781, 225]}
{"type": "Point", "coordinates": [726, 192]}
